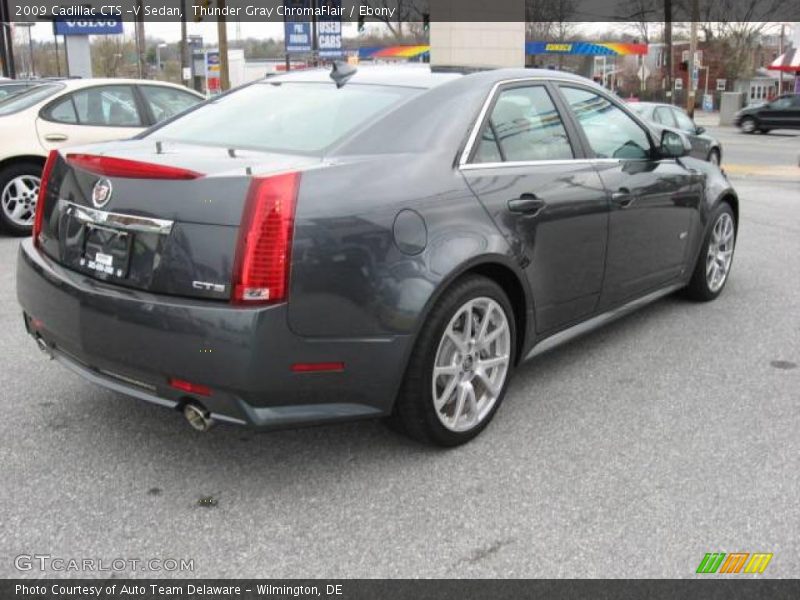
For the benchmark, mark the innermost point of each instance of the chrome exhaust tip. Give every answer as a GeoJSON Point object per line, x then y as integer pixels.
{"type": "Point", "coordinates": [197, 417]}
{"type": "Point", "coordinates": [43, 346]}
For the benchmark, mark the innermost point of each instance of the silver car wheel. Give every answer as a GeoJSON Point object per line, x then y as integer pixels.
{"type": "Point", "coordinates": [471, 364]}
{"type": "Point", "coordinates": [748, 125]}
{"type": "Point", "coordinates": [720, 252]}
{"type": "Point", "coordinates": [19, 199]}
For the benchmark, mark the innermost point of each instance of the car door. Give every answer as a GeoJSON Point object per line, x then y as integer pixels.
{"type": "Point", "coordinates": [89, 115]}
{"type": "Point", "coordinates": [530, 173]}
{"type": "Point", "coordinates": [653, 202]}
{"type": "Point", "coordinates": [700, 145]}
{"type": "Point", "coordinates": [779, 113]}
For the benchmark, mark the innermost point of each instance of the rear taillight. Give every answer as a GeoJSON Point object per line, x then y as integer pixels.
{"type": "Point", "coordinates": [188, 386]}
{"type": "Point", "coordinates": [131, 169]}
{"type": "Point", "coordinates": [261, 270]}
{"type": "Point", "coordinates": [38, 216]}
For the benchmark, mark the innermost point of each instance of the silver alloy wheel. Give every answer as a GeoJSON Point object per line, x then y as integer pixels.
{"type": "Point", "coordinates": [748, 125]}
{"type": "Point", "coordinates": [720, 252]}
{"type": "Point", "coordinates": [471, 364]}
{"type": "Point", "coordinates": [19, 199]}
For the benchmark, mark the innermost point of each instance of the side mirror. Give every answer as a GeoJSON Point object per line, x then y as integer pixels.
{"type": "Point", "coordinates": [700, 130]}
{"type": "Point", "coordinates": [674, 144]}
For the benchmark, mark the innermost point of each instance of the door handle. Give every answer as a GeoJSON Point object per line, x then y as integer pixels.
{"type": "Point", "coordinates": [622, 197]}
{"type": "Point", "coordinates": [56, 137]}
{"type": "Point", "coordinates": [527, 204]}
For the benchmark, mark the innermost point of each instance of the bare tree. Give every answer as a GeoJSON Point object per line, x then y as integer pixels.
{"type": "Point", "coordinates": [549, 20]}
{"type": "Point", "coordinates": [405, 20]}
{"type": "Point", "coordinates": [641, 18]}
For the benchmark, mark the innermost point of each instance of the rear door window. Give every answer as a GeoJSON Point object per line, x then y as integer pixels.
{"type": "Point", "coordinates": [112, 106]}
{"type": "Point", "coordinates": [524, 126]}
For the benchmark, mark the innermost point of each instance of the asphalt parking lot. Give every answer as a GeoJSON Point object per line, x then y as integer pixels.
{"type": "Point", "coordinates": [629, 453]}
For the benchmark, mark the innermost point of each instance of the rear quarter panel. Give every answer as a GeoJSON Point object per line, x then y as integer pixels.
{"type": "Point", "coordinates": [351, 275]}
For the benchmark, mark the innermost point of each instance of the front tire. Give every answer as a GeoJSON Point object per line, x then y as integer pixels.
{"type": "Point", "coordinates": [19, 191]}
{"type": "Point", "coordinates": [460, 366]}
{"type": "Point", "coordinates": [748, 125]}
{"type": "Point", "coordinates": [716, 257]}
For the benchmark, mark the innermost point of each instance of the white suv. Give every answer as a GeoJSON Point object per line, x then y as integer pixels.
{"type": "Point", "coordinates": [72, 112]}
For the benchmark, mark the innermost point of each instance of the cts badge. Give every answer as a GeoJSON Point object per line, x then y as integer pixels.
{"type": "Point", "coordinates": [101, 193]}
{"type": "Point", "coordinates": [208, 287]}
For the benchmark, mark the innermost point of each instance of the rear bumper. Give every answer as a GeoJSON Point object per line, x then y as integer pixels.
{"type": "Point", "coordinates": [132, 342]}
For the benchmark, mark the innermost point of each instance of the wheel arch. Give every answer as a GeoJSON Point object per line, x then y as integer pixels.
{"type": "Point", "coordinates": [503, 271]}
{"type": "Point", "coordinates": [23, 158]}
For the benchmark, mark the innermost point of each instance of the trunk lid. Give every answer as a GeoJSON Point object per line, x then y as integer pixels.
{"type": "Point", "coordinates": [166, 236]}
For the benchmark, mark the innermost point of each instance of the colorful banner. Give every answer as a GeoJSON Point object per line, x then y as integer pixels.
{"type": "Point", "coordinates": [585, 48]}
{"type": "Point", "coordinates": [392, 51]}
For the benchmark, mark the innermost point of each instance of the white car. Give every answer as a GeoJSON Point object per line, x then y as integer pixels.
{"type": "Point", "coordinates": [66, 113]}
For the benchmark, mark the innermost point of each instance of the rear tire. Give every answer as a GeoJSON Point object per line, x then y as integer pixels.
{"type": "Point", "coordinates": [716, 257]}
{"type": "Point", "coordinates": [470, 339]}
{"type": "Point", "coordinates": [19, 190]}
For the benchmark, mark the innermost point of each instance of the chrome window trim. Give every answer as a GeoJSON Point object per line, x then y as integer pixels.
{"type": "Point", "coordinates": [92, 216]}
{"type": "Point", "coordinates": [473, 136]}
{"type": "Point", "coordinates": [462, 161]}
{"type": "Point", "coordinates": [534, 163]}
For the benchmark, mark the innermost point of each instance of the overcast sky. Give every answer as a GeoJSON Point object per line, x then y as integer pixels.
{"type": "Point", "coordinates": [171, 32]}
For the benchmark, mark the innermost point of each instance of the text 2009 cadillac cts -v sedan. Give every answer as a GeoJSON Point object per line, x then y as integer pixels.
{"type": "Point", "coordinates": [303, 250]}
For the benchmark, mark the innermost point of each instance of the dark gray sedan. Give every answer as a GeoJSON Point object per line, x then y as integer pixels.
{"type": "Point", "coordinates": [704, 146]}
{"type": "Point", "coordinates": [393, 244]}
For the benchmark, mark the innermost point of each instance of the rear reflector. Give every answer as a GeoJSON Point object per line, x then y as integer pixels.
{"type": "Point", "coordinates": [131, 169]}
{"type": "Point", "coordinates": [331, 367]}
{"type": "Point", "coordinates": [38, 216]}
{"type": "Point", "coordinates": [188, 386]}
{"type": "Point", "coordinates": [263, 252]}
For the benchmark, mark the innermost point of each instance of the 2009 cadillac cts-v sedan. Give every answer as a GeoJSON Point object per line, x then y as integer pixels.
{"type": "Point", "coordinates": [304, 250]}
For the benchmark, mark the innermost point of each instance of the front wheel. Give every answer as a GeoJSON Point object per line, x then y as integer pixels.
{"type": "Point", "coordinates": [716, 257]}
{"type": "Point", "coordinates": [19, 190]}
{"type": "Point", "coordinates": [748, 125]}
{"type": "Point", "coordinates": [461, 365]}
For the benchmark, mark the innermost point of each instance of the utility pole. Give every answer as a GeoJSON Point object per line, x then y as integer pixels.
{"type": "Point", "coordinates": [141, 42]}
{"type": "Point", "coordinates": [222, 34]}
{"type": "Point", "coordinates": [690, 93]}
{"type": "Point", "coordinates": [668, 47]}
{"type": "Point", "coordinates": [184, 46]}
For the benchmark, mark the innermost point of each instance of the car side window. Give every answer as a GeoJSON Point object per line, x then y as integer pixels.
{"type": "Point", "coordinates": [611, 132]}
{"type": "Point", "coordinates": [663, 115]}
{"type": "Point", "coordinates": [166, 102]}
{"type": "Point", "coordinates": [684, 122]}
{"type": "Point", "coordinates": [524, 126]}
{"type": "Point", "coordinates": [782, 103]}
{"type": "Point", "coordinates": [112, 106]}
{"type": "Point", "coordinates": [64, 111]}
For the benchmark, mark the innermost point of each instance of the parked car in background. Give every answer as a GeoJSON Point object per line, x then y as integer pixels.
{"type": "Point", "coordinates": [704, 146]}
{"type": "Point", "coordinates": [300, 251]}
{"type": "Point", "coordinates": [58, 113]}
{"type": "Point", "coordinates": [781, 113]}
{"type": "Point", "coordinates": [10, 87]}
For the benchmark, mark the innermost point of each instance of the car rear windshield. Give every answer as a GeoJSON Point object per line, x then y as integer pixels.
{"type": "Point", "coordinates": [27, 99]}
{"type": "Point", "coordinates": [294, 117]}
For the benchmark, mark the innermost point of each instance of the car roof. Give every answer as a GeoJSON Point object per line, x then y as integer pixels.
{"type": "Point", "coordinates": [422, 75]}
{"type": "Point", "coordinates": [76, 84]}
